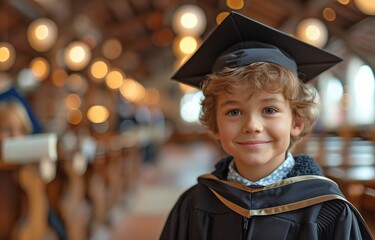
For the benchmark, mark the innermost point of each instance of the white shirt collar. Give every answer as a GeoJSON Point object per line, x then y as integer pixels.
{"type": "Point", "coordinates": [277, 175]}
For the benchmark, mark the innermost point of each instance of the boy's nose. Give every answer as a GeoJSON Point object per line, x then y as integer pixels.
{"type": "Point", "coordinates": [253, 125]}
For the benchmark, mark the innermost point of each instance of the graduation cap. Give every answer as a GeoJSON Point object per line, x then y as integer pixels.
{"type": "Point", "coordinates": [240, 41]}
{"type": "Point", "coordinates": [12, 95]}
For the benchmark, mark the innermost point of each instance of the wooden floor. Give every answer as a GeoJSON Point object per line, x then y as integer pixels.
{"type": "Point", "coordinates": [159, 186]}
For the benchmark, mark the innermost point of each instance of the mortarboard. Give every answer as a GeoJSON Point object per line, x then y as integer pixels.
{"type": "Point", "coordinates": [12, 95]}
{"type": "Point", "coordinates": [240, 41]}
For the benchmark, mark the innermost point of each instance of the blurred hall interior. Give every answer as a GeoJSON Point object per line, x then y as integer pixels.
{"type": "Point", "coordinates": [126, 140]}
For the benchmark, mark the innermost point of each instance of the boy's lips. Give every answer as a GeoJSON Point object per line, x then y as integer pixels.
{"type": "Point", "coordinates": [253, 142]}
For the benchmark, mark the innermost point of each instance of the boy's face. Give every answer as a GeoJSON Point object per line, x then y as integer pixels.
{"type": "Point", "coordinates": [255, 131]}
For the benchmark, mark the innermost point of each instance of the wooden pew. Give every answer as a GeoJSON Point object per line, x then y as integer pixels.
{"type": "Point", "coordinates": [98, 194]}
{"type": "Point", "coordinates": [367, 207]}
{"type": "Point", "coordinates": [368, 200]}
{"type": "Point", "coordinates": [350, 162]}
{"type": "Point", "coordinates": [120, 168]}
{"type": "Point", "coordinates": [33, 168]}
{"type": "Point", "coordinates": [334, 151]}
{"type": "Point", "coordinates": [12, 200]}
{"type": "Point", "coordinates": [352, 180]}
{"type": "Point", "coordinates": [35, 225]}
{"type": "Point", "coordinates": [75, 207]}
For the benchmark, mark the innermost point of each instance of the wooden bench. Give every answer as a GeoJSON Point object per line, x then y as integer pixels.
{"type": "Point", "coordinates": [368, 200]}
{"type": "Point", "coordinates": [12, 200]}
{"type": "Point", "coordinates": [352, 180]}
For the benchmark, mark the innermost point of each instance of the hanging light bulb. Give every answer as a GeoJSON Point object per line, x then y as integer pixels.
{"type": "Point", "coordinates": [189, 20]}
{"type": "Point", "coordinates": [114, 79]}
{"type": "Point", "coordinates": [77, 55]}
{"type": "Point", "coordinates": [235, 4]}
{"type": "Point", "coordinates": [312, 31]}
{"type": "Point", "coordinates": [366, 6]}
{"type": "Point", "coordinates": [221, 16]}
{"type": "Point", "coordinates": [98, 114]}
{"type": "Point", "coordinates": [186, 45]}
{"type": "Point", "coordinates": [7, 56]}
{"type": "Point", "coordinates": [42, 34]}
{"type": "Point", "coordinates": [99, 68]}
{"type": "Point", "coordinates": [40, 68]}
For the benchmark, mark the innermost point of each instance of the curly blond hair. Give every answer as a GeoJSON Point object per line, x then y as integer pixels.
{"type": "Point", "coordinates": [256, 77]}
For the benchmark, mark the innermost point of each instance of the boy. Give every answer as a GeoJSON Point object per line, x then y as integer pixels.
{"type": "Point", "coordinates": [257, 108]}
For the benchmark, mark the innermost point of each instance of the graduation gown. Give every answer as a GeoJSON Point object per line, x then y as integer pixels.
{"type": "Point", "coordinates": [305, 205]}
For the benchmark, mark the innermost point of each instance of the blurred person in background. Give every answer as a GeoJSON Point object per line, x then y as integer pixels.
{"type": "Point", "coordinates": [17, 120]}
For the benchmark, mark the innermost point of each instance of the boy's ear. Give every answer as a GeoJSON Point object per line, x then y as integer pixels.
{"type": "Point", "coordinates": [297, 127]}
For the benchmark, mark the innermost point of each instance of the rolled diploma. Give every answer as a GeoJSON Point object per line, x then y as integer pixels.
{"type": "Point", "coordinates": [31, 148]}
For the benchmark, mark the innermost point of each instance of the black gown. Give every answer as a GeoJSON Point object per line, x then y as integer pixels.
{"type": "Point", "coordinates": [305, 205]}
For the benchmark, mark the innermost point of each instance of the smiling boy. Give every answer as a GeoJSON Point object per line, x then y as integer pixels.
{"type": "Point", "coordinates": [257, 107]}
{"type": "Point", "coordinates": [255, 131]}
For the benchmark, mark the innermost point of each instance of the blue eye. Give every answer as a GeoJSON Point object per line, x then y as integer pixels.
{"type": "Point", "coordinates": [234, 112]}
{"type": "Point", "coordinates": [269, 111]}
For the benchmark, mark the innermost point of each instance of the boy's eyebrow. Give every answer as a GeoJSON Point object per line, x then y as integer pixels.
{"type": "Point", "coordinates": [228, 102]}
{"type": "Point", "coordinates": [271, 99]}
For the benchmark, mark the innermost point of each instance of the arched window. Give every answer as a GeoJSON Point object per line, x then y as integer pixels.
{"type": "Point", "coordinates": [331, 92]}
{"type": "Point", "coordinates": [361, 89]}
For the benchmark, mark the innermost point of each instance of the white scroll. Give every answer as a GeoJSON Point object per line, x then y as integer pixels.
{"type": "Point", "coordinates": [31, 148]}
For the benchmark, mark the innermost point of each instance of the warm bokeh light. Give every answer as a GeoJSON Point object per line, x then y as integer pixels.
{"type": "Point", "coordinates": [42, 34]}
{"type": "Point", "coordinates": [77, 55]}
{"type": "Point", "coordinates": [366, 6]}
{"type": "Point", "coordinates": [97, 114]}
{"type": "Point", "coordinates": [40, 68]}
{"type": "Point", "coordinates": [59, 77]}
{"type": "Point", "coordinates": [329, 14]}
{"type": "Point", "coordinates": [132, 90]}
{"type": "Point", "coordinates": [74, 116]}
{"type": "Point", "coordinates": [221, 16]}
{"type": "Point", "coordinates": [152, 96]}
{"type": "Point", "coordinates": [235, 4]}
{"type": "Point", "coordinates": [114, 79]}
{"type": "Point", "coordinates": [7, 56]}
{"type": "Point", "coordinates": [312, 31]}
{"type": "Point", "coordinates": [185, 45]}
{"type": "Point", "coordinates": [344, 2]}
{"type": "Point", "coordinates": [99, 69]}
{"type": "Point", "coordinates": [77, 83]}
{"type": "Point", "coordinates": [189, 19]}
{"type": "Point", "coordinates": [73, 101]}
{"type": "Point", "coordinates": [188, 45]}
{"type": "Point", "coordinates": [4, 54]}
{"type": "Point", "coordinates": [112, 48]}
